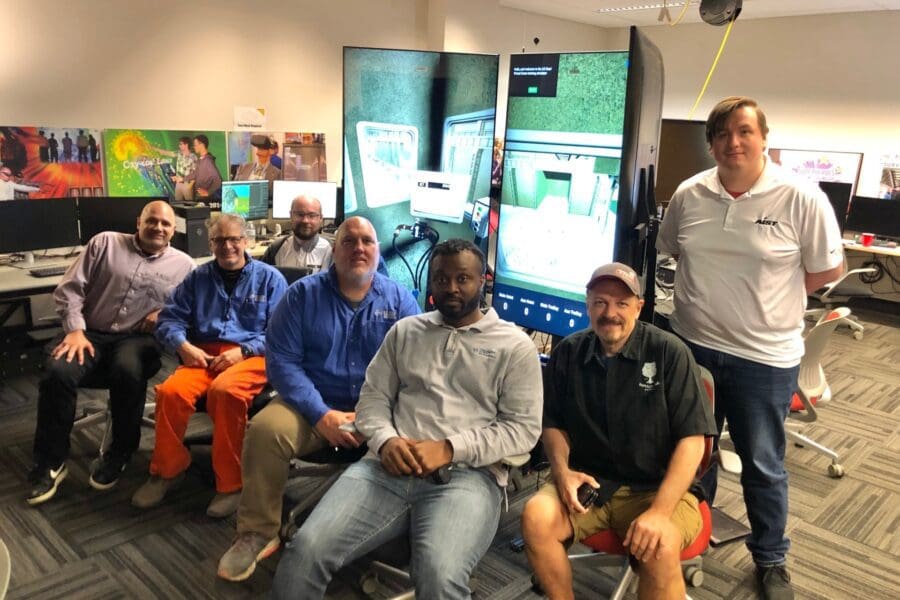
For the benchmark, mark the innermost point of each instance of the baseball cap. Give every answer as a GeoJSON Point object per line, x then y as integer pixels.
{"type": "Point", "coordinates": [619, 271]}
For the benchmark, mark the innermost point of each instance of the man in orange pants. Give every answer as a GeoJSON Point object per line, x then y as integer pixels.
{"type": "Point", "coordinates": [216, 321]}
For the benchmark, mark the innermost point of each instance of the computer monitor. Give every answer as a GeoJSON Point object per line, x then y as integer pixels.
{"type": "Point", "coordinates": [875, 215]}
{"type": "Point", "coordinates": [105, 213]}
{"type": "Point", "coordinates": [249, 199]}
{"type": "Point", "coordinates": [27, 225]}
{"type": "Point", "coordinates": [286, 191]}
{"type": "Point", "coordinates": [839, 196]}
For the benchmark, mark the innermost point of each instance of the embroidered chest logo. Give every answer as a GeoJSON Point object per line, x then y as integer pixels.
{"type": "Point", "coordinates": [767, 222]}
{"type": "Point", "coordinates": [485, 352]}
{"type": "Point", "coordinates": [648, 377]}
{"type": "Point", "coordinates": [385, 314]}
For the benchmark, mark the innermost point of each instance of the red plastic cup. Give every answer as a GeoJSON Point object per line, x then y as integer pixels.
{"type": "Point", "coordinates": [866, 239]}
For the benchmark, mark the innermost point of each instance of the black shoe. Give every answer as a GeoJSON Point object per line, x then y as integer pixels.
{"type": "Point", "coordinates": [106, 474]}
{"type": "Point", "coordinates": [774, 583]}
{"type": "Point", "coordinates": [44, 481]}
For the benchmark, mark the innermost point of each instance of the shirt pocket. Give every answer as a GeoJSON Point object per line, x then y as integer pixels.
{"type": "Point", "coordinates": [252, 312]}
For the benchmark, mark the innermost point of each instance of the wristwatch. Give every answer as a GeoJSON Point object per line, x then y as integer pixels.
{"type": "Point", "coordinates": [246, 352]}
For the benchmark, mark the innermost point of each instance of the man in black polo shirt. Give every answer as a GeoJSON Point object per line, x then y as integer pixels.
{"type": "Point", "coordinates": [624, 412]}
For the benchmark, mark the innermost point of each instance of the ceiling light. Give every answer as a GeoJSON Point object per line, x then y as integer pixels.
{"type": "Point", "coordinates": [648, 6]}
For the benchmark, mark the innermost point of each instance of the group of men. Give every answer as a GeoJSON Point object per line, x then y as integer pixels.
{"type": "Point", "coordinates": [441, 398]}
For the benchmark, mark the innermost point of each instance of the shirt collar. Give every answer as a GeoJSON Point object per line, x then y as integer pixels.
{"type": "Point", "coordinates": [770, 177]}
{"type": "Point", "coordinates": [308, 245]}
{"type": "Point", "coordinates": [631, 349]}
{"type": "Point", "coordinates": [488, 318]}
{"type": "Point", "coordinates": [137, 246]}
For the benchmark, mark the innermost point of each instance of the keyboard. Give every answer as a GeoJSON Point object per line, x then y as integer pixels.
{"type": "Point", "coordinates": [49, 271]}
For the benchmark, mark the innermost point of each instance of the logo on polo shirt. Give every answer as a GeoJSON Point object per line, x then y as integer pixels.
{"type": "Point", "coordinates": [648, 377]}
{"type": "Point", "coordinates": [769, 222]}
{"type": "Point", "coordinates": [485, 352]}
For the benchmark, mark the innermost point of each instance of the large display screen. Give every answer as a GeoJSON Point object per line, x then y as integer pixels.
{"type": "Point", "coordinates": [560, 187]}
{"type": "Point", "coordinates": [418, 139]}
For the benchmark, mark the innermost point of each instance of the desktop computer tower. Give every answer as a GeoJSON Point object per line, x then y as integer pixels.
{"type": "Point", "coordinates": [190, 230]}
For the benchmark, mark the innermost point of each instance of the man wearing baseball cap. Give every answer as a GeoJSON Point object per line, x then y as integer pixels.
{"type": "Point", "coordinates": [624, 413]}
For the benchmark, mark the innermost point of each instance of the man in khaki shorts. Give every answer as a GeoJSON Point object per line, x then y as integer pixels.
{"type": "Point", "coordinates": [624, 413]}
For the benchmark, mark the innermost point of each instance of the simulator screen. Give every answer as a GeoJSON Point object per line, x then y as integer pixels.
{"type": "Point", "coordinates": [560, 187]}
{"type": "Point", "coordinates": [418, 140]}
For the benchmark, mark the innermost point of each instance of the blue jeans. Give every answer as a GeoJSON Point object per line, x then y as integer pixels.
{"type": "Point", "coordinates": [755, 400]}
{"type": "Point", "coordinates": [450, 528]}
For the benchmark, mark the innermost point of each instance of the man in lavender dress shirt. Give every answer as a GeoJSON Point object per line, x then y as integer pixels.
{"type": "Point", "coordinates": [108, 300]}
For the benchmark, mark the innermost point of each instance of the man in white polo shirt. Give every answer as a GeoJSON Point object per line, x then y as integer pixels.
{"type": "Point", "coordinates": [751, 243]}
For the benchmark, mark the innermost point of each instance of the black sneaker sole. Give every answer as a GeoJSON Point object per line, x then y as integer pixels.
{"type": "Point", "coordinates": [52, 491]}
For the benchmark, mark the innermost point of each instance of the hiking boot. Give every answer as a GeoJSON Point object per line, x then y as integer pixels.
{"type": "Point", "coordinates": [239, 562]}
{"type": "Point", "coordinates": [44, 481]}
{"type": "Point", "coordinates": [774, 583]}
{"type": "Point", "coordinates": [106, 474]}
{"type": "Point", "coordinates": [154, 490]}
{"type": "Point", "coordinates": [223, 505]}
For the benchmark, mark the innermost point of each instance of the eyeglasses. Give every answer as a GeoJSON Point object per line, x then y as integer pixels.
{"type": "Point", "coordinates": [221, 241]}
{"type": "Point", "coordinates": [305, 215]}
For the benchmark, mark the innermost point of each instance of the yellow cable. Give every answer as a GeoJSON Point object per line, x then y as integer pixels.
{"type": "Point", "coordinates": [712, 69]}
{"type": "Point", "coordinates": [681, 16]}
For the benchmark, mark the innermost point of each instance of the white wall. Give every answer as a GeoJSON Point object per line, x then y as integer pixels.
{"type": "Point", "coordinates": [826, 82]}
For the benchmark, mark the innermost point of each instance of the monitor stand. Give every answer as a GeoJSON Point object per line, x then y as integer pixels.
{"type": "Point", "coordinates": [27, 261]}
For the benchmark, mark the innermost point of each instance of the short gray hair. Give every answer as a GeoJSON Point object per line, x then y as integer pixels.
{"type": "Point", "coordinates": [215, 223]}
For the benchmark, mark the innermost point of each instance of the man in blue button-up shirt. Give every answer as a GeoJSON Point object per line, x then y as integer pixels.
{"type": "Point", "coordinates": [320, 341]}
{"type": "Point", "coordinates": [216, 321]}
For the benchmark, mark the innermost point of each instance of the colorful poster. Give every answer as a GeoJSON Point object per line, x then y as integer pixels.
{"type": "Point", "coordinates": [55, 161]}
{"type": "Point", "coordinates": [241, 152]}
{"type": "Point", "coordinates": [141, 162]}
{"type": "Point", "coordinates": [818, 165]}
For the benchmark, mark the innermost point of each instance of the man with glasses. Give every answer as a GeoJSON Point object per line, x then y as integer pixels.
{"type": "Point", "coordinates": [304, 247]}
{"type": "Point", "coordinates": [216, 321]}
{"type": "Point", "coordinates": [8, 186]}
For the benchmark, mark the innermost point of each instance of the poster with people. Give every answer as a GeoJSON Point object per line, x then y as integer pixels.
{"type": "Point", "coordinates": [180, 165]}
{"type": "Point", "coordinates": [242, 152]}
{"type": "Point", "coordinates": [49, 162]}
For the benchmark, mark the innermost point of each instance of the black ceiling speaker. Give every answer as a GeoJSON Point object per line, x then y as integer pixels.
{"type": "Point", "coordinates": [720, 12]}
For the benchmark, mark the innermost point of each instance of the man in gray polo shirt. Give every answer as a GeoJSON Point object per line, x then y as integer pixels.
{"type": "Point", "coordinates": [108, 300]}
{"type": "Point", "coordinates": [458, 389]}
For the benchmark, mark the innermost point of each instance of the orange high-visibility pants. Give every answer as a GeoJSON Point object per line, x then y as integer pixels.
{"type": "Point", "coordinates": [228, 395]}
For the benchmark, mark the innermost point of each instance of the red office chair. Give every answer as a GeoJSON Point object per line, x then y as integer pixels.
{"type": "Point", "coordinates": [812, 388]}
{"type": "Point", "coordinates": [606, 544]}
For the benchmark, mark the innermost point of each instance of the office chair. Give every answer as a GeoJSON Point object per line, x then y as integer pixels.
{"type": "Point", "coordinates": [90, 415]}
{"type": "Point", "coordinates": [606, 547]}
{"type": "Point", "coordinates": [841, 291]}
{"type": "Point", "coordinates": [812, 388]}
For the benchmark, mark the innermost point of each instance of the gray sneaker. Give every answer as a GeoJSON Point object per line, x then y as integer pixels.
{"type": "Point", "coordinates": [154, 490]}
{"type": "Point", "coordinates": [239, 562]}
{"type": "Point", "coordinates": [223, 505]}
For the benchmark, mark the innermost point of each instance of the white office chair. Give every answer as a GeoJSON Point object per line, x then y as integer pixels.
{"type": "Point", "coordinates": [841, 291]}
{"type": "Point", "coordinates": [812, 387]}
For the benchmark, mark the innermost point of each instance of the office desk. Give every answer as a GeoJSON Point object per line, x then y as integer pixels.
{"type": "Point", "coordinates": [886, 257]}
{"type": "Point", "coordinates": [854, 246]}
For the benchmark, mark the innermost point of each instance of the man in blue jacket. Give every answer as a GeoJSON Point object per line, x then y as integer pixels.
{"type": "Point", "coordinates": [320, 342]}
{"type": "Point", "coordinates": [216, 321]}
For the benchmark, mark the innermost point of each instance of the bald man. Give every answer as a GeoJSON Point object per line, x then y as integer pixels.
{"type": "Point", "coordinates": [108, 300]}
{"type": "Point", "coordinates": [320, 340]}
{"type": "Point", "coordinates": [302, 248]}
